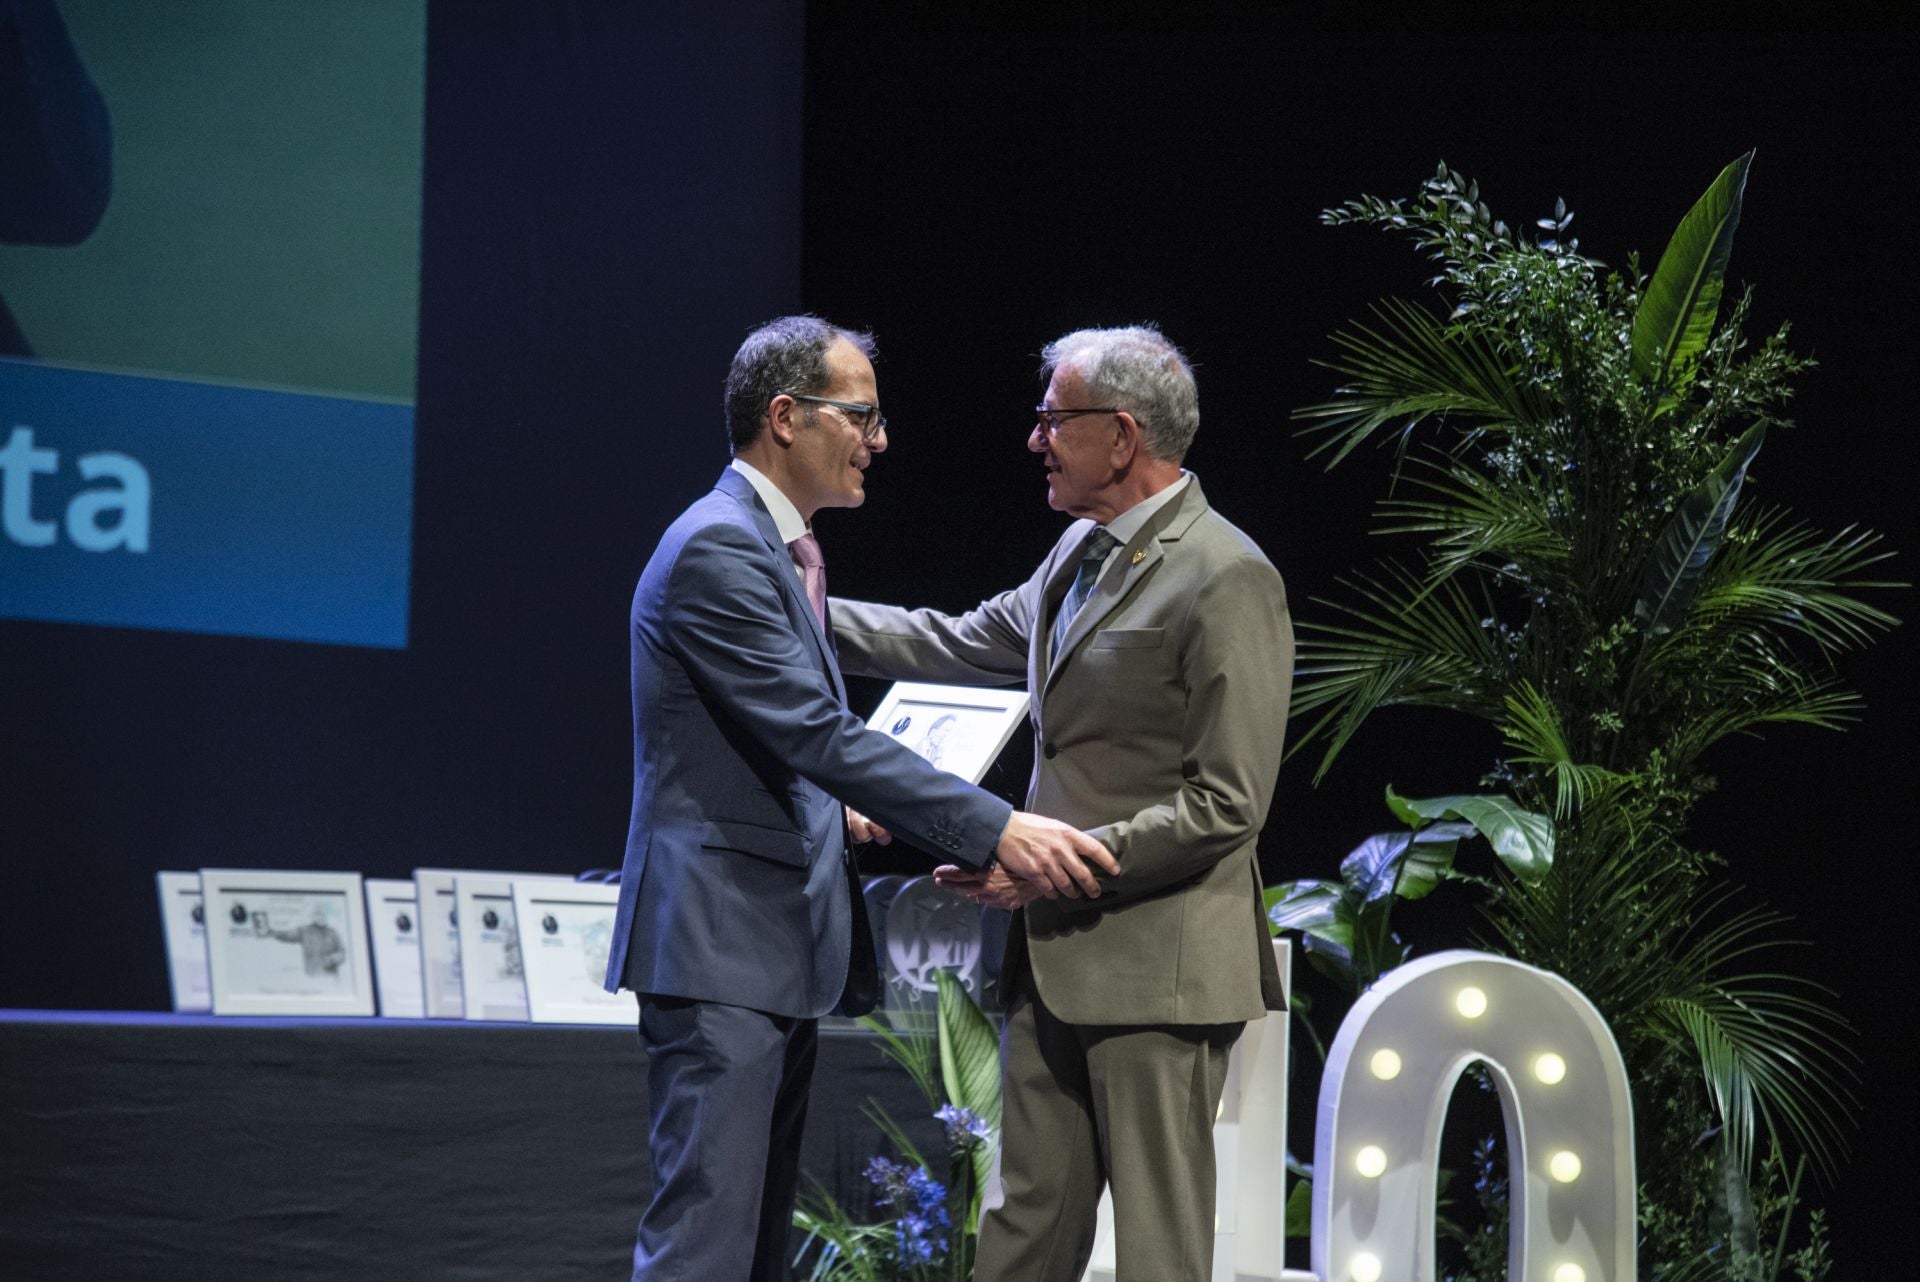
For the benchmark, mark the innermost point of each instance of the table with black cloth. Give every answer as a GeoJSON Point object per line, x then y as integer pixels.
{"type": "Point", "coordinates": [150, 1147]}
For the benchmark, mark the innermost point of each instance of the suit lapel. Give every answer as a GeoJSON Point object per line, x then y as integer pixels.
{"type": "Point", "coordinates": [741, 490]}
{"type": "Point", "coordinates": [1142, 553]}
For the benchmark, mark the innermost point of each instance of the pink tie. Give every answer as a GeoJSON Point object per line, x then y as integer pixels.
{"type": "Point", "coordinates": [813, 573]}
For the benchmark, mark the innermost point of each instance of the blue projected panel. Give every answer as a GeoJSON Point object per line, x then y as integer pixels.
{"type": "Point", "coordinates": [202, 201]}
{"type": "Point", "coordinates": [159, 503]}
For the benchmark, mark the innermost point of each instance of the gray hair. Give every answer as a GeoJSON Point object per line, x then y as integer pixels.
{"type": "Point", "coordinates": [1135, 369]}
{"type": "Point", "coordinates": [785, 355]}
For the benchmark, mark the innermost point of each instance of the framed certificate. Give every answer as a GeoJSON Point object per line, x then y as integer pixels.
{"type": "Point", "coordinates": [183, 924]}
{"type": "Point", "coordinates": [961, 729]}
{"type": "Point", "coordinates": [493, 976]}
{"type": "Point", "coordinates": [286, 943]}
{"type": "Point", "coordinates": [440, 940]}
{"type": "Point", "coordinates": [393, 927]}
{"type": "Point", "coordinates": [566, 933]}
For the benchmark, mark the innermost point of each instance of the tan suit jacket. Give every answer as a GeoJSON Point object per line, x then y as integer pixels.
{"type": "Point", "coordinates": [1157, 729]}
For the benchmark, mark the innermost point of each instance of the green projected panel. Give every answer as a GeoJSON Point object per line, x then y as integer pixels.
{"type": "Point", "coordinates": [263, 224]}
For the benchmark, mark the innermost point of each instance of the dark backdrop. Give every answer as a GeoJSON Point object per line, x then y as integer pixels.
{"type": "Point", "coordinates": [614, 193]}
{"type": "Point", "coordinates": [975, 189]}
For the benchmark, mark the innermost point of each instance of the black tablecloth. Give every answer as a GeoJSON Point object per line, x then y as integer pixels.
{"type": "Point", "coordinates": [163, 1146]}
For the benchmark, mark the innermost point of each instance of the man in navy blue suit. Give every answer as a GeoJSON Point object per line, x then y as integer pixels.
{"type": "Point", "coordinates": [740, 919]}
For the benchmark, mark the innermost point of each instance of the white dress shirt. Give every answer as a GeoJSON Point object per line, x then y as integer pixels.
{"type": "Point", "coordinates": [786, 517]}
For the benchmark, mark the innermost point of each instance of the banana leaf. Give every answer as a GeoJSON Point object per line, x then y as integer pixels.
{"type": "Point", "coordinates": [1676, 314]}
{"type": "Point", "coordinates": [970, 1067]}
{"type": "Point", "coordinates": [1522, 838]}
{"type": "Point", "coordinates": [1691, 538]}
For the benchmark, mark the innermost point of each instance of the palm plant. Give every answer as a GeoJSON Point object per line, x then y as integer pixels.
{"type": "Point", "coordinates": [1570, 451]}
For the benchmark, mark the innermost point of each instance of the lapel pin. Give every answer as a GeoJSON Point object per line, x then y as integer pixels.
{"type": "Point", "coordinates": [1139, 556]}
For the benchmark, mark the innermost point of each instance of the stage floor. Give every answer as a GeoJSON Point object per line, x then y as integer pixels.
{"type": "Point", "coordinates": [147, 1147]}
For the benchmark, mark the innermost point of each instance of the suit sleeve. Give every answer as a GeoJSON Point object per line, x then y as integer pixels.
{"type": "Point", "coordinates": [987, 646]}
{"type": "Point", "coordinates": [1237, 668]}
{"type": "Point", "coordinates": [725, 619]}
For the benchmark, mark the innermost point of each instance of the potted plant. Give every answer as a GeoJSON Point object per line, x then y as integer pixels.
{"type": "Point", "coordinates": [1571, 449]}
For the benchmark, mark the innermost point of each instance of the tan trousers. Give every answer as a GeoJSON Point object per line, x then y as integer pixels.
{"type": "Point", "coordinates": [1091, 1105]}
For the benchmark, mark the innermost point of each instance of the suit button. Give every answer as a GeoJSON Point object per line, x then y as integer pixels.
{"type": "Point", "coordinates": [1049, 751]}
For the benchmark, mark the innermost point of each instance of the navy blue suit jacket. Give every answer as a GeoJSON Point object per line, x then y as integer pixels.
{"type": "Point", "coordinates": [738, 886]}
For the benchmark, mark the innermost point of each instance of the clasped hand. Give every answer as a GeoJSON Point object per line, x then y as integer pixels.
{"type": "Point", "coordinates": [1036, 857]}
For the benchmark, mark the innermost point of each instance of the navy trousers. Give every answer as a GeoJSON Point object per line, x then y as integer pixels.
{"type": "Point", "coordinates": [726, 1101]}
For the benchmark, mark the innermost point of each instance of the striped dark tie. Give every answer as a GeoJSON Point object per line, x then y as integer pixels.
{"type": "Point", "coordinates": [1091, 559]}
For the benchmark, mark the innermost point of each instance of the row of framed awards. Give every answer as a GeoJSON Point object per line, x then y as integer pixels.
{"type": "Point", "coordinates": [456, 944]}
{"type": "Point", "coordinates": [449, 944]}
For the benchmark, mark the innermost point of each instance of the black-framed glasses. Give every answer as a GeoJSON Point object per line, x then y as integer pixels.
{"type": "Point", "coordinates": [867, 418]}
{"type": "Point", "coordinates": [1049, 421]}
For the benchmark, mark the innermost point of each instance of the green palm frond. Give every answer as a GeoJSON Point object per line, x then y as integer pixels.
{"type": "Point", "coordinates": [1756, 688]}
{"type": "Point", "coordinates": [912, 1049]}
{"type": "Point", "coordinates": [1603, 917]}
{"type": "Point", "coordinates": [1412, 367]}
{"type": "Point", "coordinates": [848, 1251]}
{"type": "Point", "coordinates": [1772, 1049]}
{"type": "Point", "coordinates": [1470, 517]}
{"type": "Point", "coordinates": [1532, 729]}
{"type": "Point", "coordinates": [1777, 574]}
{"type": "Point", "coordinates": [1397, 645]}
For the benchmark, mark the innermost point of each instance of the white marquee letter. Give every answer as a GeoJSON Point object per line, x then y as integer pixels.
{"type": "Point", "coordinates": [1569, 1120]}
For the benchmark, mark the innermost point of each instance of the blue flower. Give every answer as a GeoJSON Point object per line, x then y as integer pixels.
{"type": "Point", "coordinates": [889, 1177]}
{"type": "Point", "coordinates": [929, 1195]}
{"type": "Point", "coordinates": [921, 1233]}
{"type": "Point", "coordinates": [966, 1129]}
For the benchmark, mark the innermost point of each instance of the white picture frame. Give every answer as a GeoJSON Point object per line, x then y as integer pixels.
{"type": "Point", "coordinates": [440, 940]}
{"type": "Point", "coordinates": [493, 981]}
{"type": "Point", "coordinates": [961, 729]}
{"type": "Point", "coordinates": [183, 928]}
{"type": "Point", "coordinates": [393, 932]}
{"type": "Point", "coordinates": [286, 943]}
{"type": "Point", "coordinates": [565, 937]}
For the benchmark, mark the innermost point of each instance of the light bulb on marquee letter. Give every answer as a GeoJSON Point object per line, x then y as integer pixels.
{"type": "Point", "coordinates": [1564, 1166]}
{"type": "Point", "coordinates": [1385, 1064]}
{"type": "Point", "coordinates": [1366, 1268]}
{"type": "Point", "coordinates": [1371, 1161]}
{"type": "Point", "coordinates": [1471, 1002]}
{"type": "Point", "coordinates": [1550, 1069]}
{"type": "Point", "coordinates": [1569, 1273]}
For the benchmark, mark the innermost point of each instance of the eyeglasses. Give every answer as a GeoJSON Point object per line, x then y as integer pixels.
{"type": "Point", "coordinates": [867, 418]}
{"type": "Point", "coordinates": [1049, 421]}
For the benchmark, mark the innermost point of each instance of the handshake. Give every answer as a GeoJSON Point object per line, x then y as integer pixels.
{"type": "Point", "coordinates": [1036, 857]}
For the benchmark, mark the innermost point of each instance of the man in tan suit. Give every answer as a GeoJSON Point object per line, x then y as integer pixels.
{"type": "Point", "coordinates": [1156, 640]}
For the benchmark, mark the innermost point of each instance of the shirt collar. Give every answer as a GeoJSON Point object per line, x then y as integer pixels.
{"type": "Point", "coordinates": [1128, 523]}
{"type": "Point", "coordinates": [786, 517]}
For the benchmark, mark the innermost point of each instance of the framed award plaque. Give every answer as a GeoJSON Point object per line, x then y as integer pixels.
{"type": "Point", "coordinates": [961, 729]}
{"type": "Point", "coordinates": [566, 933]}
{"type": "Point", "coordinates": [493, 977]}
{"type": "Point", "coordinates": [286, 943]}
{"type": "Point", "coordinates": [393, 928]}
{"type": "Point", "coordinates": [184, 927]}
{"type": "Point", "coordinates": [440, 940]}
